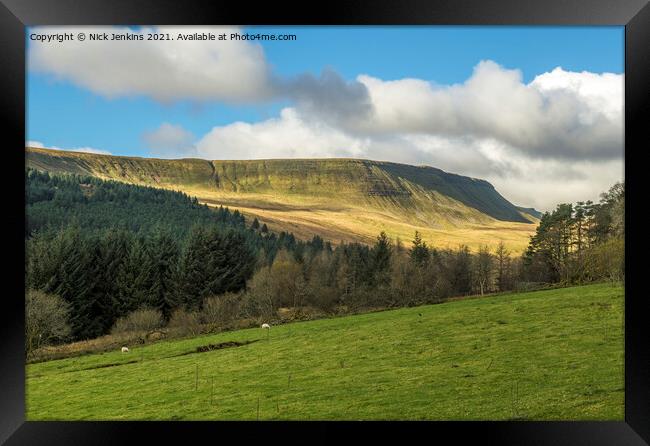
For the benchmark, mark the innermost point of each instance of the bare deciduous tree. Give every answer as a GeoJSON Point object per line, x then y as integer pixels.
{"type": "Point", "coordinates": [46, 320]}
{"type": "Point", "coordinates": [483, 269]}
{"type": "Point", "coordinates": [504, 268]}
{"type": "Point", "coordinates": [219, 311]}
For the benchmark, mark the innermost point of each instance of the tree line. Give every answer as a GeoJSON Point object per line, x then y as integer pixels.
{"type": "Point", "coordinates": [108, 248]}
{"type": "Point", "coordinates": [54, 201]}
{"type": "Point", "coordinates": [580, 242]}
{"type": "Point", "coordinates": [106, 258]}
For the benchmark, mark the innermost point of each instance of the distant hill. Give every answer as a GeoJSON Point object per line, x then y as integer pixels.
{"type": "Point", "coordinates": [339, 199]}
{"type": "Point", "coordinates": [531, 212]}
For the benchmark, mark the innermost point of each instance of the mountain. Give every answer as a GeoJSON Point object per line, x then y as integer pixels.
{"type": "Point", "coordinates": [339, 199]}
{"type": "Point", "coordinates": [532, 212]}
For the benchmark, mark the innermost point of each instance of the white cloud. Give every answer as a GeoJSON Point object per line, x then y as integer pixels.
{"type": "Point", "coordinates": [169, 140]}
{"type": "Point", "coordinates": [164, 70]}
{"type": "Point", "coordinates": [289, 136]}
{"type": "Point", "coordinates": [560, 114]}
{"type": "Point", "coordinates": [524, 180]}
{"type": "Point", "coordinates": [531, 182]}
{"type": "Point", "coordinates": [40, 145]}
{"type": "Point", "coordinates": [545, 183]}
{"type": "Point", "coordinates": [37, 144]}
{"type": "Point", "coordinates": [603, 92]}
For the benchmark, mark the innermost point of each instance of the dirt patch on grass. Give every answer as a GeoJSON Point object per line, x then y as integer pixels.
{"type": "Point", "coordinates": [103, 366]}
{"type": "Point", "coordinates": [219, 346]}
{"type": "Point", "coordinates": [100, 366]}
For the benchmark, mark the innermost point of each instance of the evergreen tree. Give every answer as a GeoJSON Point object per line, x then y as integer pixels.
{"type": "Point", "coordinates": [160, 271]}
{"type": "Point", "coordinates": [381, 257]}
{"type": "Point", "coordinates": [193, 270]}
{"type": "Point", "coordinates": [132, 279]}
{"type": "Point", "coordinates": [419, 251]}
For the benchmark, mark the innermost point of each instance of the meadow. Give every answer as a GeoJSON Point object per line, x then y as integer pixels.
{"type": "Point", "coordinates": [545, 355]}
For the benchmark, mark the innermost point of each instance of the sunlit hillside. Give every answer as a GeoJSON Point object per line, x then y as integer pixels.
{"type": "Point", "coordinates": [339, 199]}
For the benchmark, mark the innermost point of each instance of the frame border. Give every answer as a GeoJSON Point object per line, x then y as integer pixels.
{"type": "Point", "coordinates": [633, 14]}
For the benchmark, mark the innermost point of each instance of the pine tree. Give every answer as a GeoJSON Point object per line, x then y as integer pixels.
{"type": "Point", "coordinates": [132, 281]}
{"type": "Point", "coordinates": [192, 272]}
{"type": "Point", "coordinates": [162, 256]}
{"type": "Point", "coordinates": [381, 257]}
{"type": "Point", "coordinates": [419, 251]}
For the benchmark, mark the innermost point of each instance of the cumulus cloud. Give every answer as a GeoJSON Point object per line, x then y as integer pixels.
{"type": "Point", "coordinates": [549, 182]}
{"type": "Point", "coordinates": [40, 145]}
{"type": "Point", "coordinates": [559, 114]}
{"type": "Point", "coordinates": [164, 70]}
{"type": "Point", "coordinates": [289, 136]}
{"type": "Point", "coordinates": [197, 70]}
{"type": "Point", "coordinates": [169, 140]}
{"type": "Point", "coordinates": [328, 97]}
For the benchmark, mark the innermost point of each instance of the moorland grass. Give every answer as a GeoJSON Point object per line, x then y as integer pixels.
{"type": "Point", "coordinates": [328, 197]}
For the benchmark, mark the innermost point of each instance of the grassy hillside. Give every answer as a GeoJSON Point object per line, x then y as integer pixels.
{"type": "Point", "coordinates": [339, 199]}
{"type": "Point", "coordinates": [548, 355]}
{"type": "Point", "coordinates": [530, 213]}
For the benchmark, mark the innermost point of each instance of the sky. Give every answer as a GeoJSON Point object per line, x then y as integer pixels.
{"type": "Point", "coordinates": [536, 111]}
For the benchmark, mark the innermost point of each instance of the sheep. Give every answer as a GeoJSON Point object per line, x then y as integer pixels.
{"type": "Point", "coordinates": [267, 327]}
{"type": "Point", "coordinates": [125, 350]}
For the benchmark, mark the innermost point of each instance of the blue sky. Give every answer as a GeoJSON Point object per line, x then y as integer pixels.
{"type": "Point", "coordinates": [61, 114]}
{"type": "Point", "coordinates": [526, 108]}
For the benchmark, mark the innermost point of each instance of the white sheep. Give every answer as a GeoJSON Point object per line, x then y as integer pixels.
{"type": "Point", "coordinates": [267, 326]}
{"type": "Point", "coordinates": [125, 350]}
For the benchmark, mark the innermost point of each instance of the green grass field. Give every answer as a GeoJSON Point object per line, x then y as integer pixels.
{"type": "Point", "coordinates": [546, 355]}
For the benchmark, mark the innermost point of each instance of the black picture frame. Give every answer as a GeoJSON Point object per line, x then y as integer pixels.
{"type": "Point", "coordinates": [16, 14]}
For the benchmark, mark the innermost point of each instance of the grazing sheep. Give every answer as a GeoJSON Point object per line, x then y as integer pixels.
{"type": "Point", "coordinates": [125, 350]}
{"type": "Point", "coordinates": [267, 327]}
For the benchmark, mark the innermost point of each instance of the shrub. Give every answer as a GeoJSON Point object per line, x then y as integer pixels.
{"type": "Point", "coordinates": [46, 320]}
{"type": "Point", "coordinates": [185, 322]}
{"type": "Point", "coordinates": [303, 313]}
{"type": "Point", "coordinates": [220, 311]}
{"type": "Point", "coordinates": [606, 261]}
{"type": "Point", "coordinates": [144, 319]}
